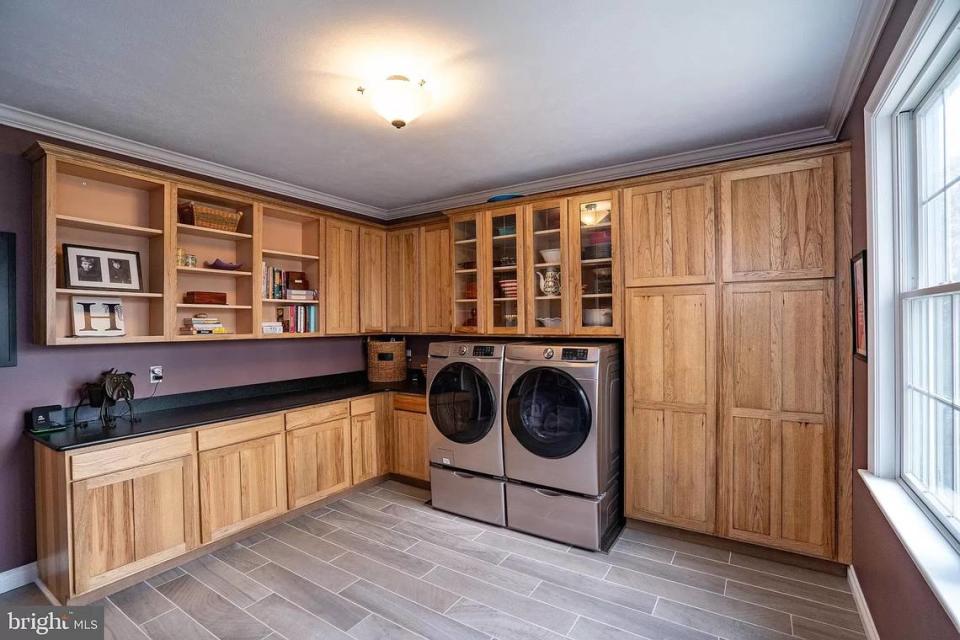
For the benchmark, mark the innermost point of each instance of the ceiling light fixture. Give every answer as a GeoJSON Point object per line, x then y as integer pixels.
{"type": "Point", "coordinates": [398, 100]}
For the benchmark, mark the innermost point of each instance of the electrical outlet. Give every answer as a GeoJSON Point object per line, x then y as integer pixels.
{"type": "Point", "coordinates": [156, 373]}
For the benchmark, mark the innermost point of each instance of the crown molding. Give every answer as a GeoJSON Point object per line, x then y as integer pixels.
{"type": "Point", "coordinates": [78, 134]}
{"type": "Point", "coordinates": [871, 19]}
{"type": "Point", "coordinates": [709, 155]}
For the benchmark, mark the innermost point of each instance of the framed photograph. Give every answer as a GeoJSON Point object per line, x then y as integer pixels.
{"type": "Point", "coordinates": [97, 317]}
{"type": "Point", "coordinates": [8, 300]}
{"type": "Point", "coordinates": [99, 268]}
{"type": "Point", "coordinates": [858, 288]}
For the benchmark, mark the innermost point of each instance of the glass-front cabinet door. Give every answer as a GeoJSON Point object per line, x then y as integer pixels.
{"type": "Point", "coordinates": [501, 280]}
{"type": "Point", "coordinates": [546, 241]}
{"type": "Point", "coordinates": [594, 239]}
{"type": "Point", "coordinates": [466, 281]}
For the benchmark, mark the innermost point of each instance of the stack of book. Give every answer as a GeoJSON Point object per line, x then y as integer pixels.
{"type": "Point", "coordinates": [279, 284]}
{"type": "Point", "coordinates": [297, 318]}
{"type": "Point", "coordinates": [272, 327]}
{"type": "Point", "coordinates": [202, 324]}
{"type": "Point", "coordinates": [300, 295]}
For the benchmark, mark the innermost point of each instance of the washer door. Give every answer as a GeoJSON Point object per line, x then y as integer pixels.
{"type": "Point", "coordinates": [548, 412]}
{"type": "Point", "coordinates": [462, 403]}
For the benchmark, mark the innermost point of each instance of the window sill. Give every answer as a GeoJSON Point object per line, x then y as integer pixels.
{"type": "Point", "coordinates": [937, 560]}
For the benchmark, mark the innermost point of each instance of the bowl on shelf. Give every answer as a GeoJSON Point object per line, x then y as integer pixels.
{"type": "Point", "coordinates": [598, 317]}
{"type": "Point", "coordinates": [506, 230]}
{"type": "Point", "coordinates": [550, 255]}
{"type": "Point", "coordinates": [510, 319]}
{"type": "Point", "coordinates": [549, 322]}
{"type": "Point", "coordinates": [223, 265]}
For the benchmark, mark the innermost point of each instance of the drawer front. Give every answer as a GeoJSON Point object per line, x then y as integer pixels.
{"type": "Point", "coordinates": [557, 516]}
{"type": "Point", "coordinates": [238, 432]}
{"type": "Point", "coordinates": [465, 494]}
{"type": "Point", "coordinates": [317, 414]}
{"type": "Point", "coordinates": [128, 456]}
{"type": "Point", "coordinates": [406, 402]}
{"type": "Point", "coordinates": [363, 405]}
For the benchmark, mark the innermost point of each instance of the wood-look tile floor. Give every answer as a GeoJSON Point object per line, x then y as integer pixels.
{"type": "Point", "coordinates": [380, 564]}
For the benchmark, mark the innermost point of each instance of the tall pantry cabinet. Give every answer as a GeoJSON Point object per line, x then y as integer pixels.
{"type": "Point", "coordinates": [732, 352]}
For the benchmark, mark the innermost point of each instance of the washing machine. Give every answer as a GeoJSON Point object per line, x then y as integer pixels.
{"type": "Point", "coordinates": [464, 423]}
{"type": "Point", "coordinates": [563, 441]}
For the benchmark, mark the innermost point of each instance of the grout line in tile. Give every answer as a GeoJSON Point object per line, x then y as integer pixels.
{"type": "Point", "coordinates": [793, 595]}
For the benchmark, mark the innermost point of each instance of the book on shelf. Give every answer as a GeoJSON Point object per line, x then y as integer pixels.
{"type": "Point", "coordinates": [272, 327]}
{"type": "Point", "coordinates": [298, 318]}
{"type": "Point", "coordinates": [279, 284]}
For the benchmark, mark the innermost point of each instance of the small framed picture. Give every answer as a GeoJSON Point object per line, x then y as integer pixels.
{"type": "Point", "coordinates": [858, 288]}
{"type": "Point", "coordinates": [99, 268]}
{"type": "Point", "coordinates": [97, 317]}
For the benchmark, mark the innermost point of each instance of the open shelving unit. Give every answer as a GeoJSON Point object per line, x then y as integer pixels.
{"type": "Point", "coordinates": [290, 243]}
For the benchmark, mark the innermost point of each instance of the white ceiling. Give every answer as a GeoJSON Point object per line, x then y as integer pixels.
{"type": "Point", "coordinates": [522, 90]}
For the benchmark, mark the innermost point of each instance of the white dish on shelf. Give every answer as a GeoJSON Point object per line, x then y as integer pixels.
{"type": "Point", "coordinates": [598, 317]}
{"type": "Point", "coordinates": [550, 255]}
{"type": "Point", "coordinates": [550, 322]}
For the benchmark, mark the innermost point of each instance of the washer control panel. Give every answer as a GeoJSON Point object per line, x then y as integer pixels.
{"type": "Point", "coordinates": [574, 354]}
{"type": "Point", "coordinates": [483, 351]}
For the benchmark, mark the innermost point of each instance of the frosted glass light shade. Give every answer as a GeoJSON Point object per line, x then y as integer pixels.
{"type": "Point", "coordinates": [398, 100]}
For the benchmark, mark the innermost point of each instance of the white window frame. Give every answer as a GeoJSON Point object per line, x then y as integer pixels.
{"type": "Point", "coordinates": [929, 42]}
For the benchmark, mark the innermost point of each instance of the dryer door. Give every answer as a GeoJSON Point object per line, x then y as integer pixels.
{"type": "Point", "coordinates": [548, 412]}
{"type": "Point", "coordinates": [462, 403]}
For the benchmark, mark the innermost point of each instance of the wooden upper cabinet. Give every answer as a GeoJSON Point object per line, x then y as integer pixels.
{"type": "Point", "coordinates": [501, 271]}
{"type": "Point", "coordinates": [595, 279]}
{"type": "Point", "coordinates": [546, 264]}
{"type": "Point", "coordinates": [668, 233]}
{"type": "Point", "coordinates": [341, 265]}
{"type": "Point", "coordinates": [373, 270]}
{"type": "Point", "coordinates": [778, 466]}
{"type": "Point", "coordinates": [465, 232]}
{"type": "Point", "coordinates": [776, 221]}
{"type": "Point", "coordinates": [670, 431]}
{"type": "Point", "coordinates": [240, 485]}
{"type": "Point", "coordinates": [130, 520]}
{"type": "Point", "coordinates": [436, 281]}
{"type": "Point", "coordinates": [403, 280]}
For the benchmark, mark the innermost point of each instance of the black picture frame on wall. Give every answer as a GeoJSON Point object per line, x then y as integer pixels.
{"type": "Point", "coordinates": [858, 308]}
{"type": "Point", "coordinates": [8, 300]}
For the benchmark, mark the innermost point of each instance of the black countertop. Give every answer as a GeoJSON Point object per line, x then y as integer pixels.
{"type": "Point", "coordinates": [223, 404]}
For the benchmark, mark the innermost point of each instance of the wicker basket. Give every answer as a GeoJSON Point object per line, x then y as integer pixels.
{"type": "Point", "coordinates": [386, 361]}
{"type": "Point", "coordinates": [209, 216]}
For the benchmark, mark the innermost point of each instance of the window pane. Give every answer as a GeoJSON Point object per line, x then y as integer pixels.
{"type": "Point", "coordinates": [953, 231]}
{"type": "Point", "coordinates": [952, 117]}
{"type": "Point", "coordinates": [930, 140]}
{"type": "Point", "coordinates": [933, 232]}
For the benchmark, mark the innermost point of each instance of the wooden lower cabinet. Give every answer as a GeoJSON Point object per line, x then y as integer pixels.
{"type": "Point", "coordinates": [240, 485]}
{"type": "Point", "coordinates": [318, 461]}
{"type": "Point", "coordinates": [670, 430]}
{"type": "Point", "coordinates": [410, 457]}
{"type": "Point", "coordinates": [130, 520]}
{"type": "Point", "coordinates": [365, 447]}
{"type": "Point", "coordinates": [778, 467]}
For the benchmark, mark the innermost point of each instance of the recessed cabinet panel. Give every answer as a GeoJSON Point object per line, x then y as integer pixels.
{"type": "Point", "coordinates": [365, 447]}
{"type": "Point", "coordinates": [410, 456]}
{"type": "Point", "coordinates": [777, 221]}
{"type": "Point", "coordinates": [436, 295]}
{"type": "Point", "coordinates": [403, 280]}
{"type": "Point", "coordinates": [669, 233]}
{"type": "Point", "coordinates": [670, 354]}
{"type": "Point", "coordinates": [779, 432]}
{"type": "Point", "coordinates": [318, 461]}
{"type": "Point", "coordinates": [373, 274]}
{"type": "Point", "coordinates": [341, 267]}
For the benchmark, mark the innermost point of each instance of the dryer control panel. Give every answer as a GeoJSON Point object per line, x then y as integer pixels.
{"type": "Point", "coordinates": [573, 354]}
{"type": "Point", "coordinates": [483, 351]}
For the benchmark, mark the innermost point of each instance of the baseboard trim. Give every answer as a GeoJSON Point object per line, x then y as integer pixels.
{"type": "Point", "coordinates": [17, 577]}
{"type": "Point", "coordinates": [869, 627]}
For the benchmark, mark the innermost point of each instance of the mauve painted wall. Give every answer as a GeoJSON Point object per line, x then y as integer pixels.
{"type": "Point", "coordinates": [902, 604]}
{"type": "Point", "coordinates": [50, 375]}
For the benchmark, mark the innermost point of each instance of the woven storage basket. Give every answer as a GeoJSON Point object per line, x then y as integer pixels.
{"type": "Point", "coordinates": [386, 361]}
{"type": "Point", "coordinates": [209, 216]}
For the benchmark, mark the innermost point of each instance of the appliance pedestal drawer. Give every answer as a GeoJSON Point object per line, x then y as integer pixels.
{"type": "Point", "coordinates": [572, 519]}
{"type": "Point", "coordinates": [467, 494]}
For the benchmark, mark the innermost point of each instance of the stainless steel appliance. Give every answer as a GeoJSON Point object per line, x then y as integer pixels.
{"type": "Point", "coordinates": [562, 442]}
{"type": "Point", "coordinates": [466, 442]}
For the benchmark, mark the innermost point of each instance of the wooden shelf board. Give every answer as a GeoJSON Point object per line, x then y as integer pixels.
{"type": "Point", "coordinates": [459, 271]}
{"type": "Point", "coordinates": [547, 264]}
{"type": "Point", "coordinates": [590, 227]}
{"type": "Point", "coordinates": [214, 336]}
{"type": "Point", "coordinates": [279, 336]}
{"type": "Point", "coordinates": [546, 232]}
{"type": "Point", "coordinates": [110, 227]}
{"type": "Point", "coordinates": [548, 298]}
{"type": "Point", "coordinates": [190, 229]}
{"type": "Point", "coordinates": [597, 295]}
{"type": "Point", "coordinates": [509, 236]}
{"type": "Point", "coordinates": [597, 261]}
{"type": "Point", "coordinates": [282, 301]}
{"type": "Point", "coordinates": [184, 305]}
{"type": "Point", "coordinates": [468, 241]}
{"type": "Point", "coordinates": [68, 340]}
{"type": "Point", "coordinates": [509, 267]}
{"type": "Point", "coordinates": [504, 299]}
{"type": "Point", "coordinates": [108, 293]}
{"type": "Point", "coordinates": [292, 256]}
{"type": "Point", "coordinates": [467, 301]}
{"type": "Point", "coordinates": [214, 272]}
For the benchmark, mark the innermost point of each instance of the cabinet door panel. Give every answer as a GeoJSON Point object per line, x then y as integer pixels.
{"type": "Point", "coordinates": [240, 485]}
{"type": "Point", "coordinates": [671, 399]}
{"type": "Point", "coordinates": [595, 279]}
{"type": "Point", "coordinates": [403, 280]}
{"type": "Point", "coordinates": [318, 459]}
{"type": "Point", "coordinates": [129, 520]}
{"type": "Point", "coordinates": [436, 282]}
{"type": "Point", "coordinates": [365, 447]}
{"type": "Point", "coordinates": [410, 456]}
{"type": "Point", "coordinates": [341, 266]}
{"type": "Point", "coordinates": [373, 265]}
{"type": "Point", "coordinates": [303, 468]}
{"type": "Point", "coordinates": [777, 221]}
{"type": "Point", "coordinates": [669, 232]}
{"type": "Point", "coordinates": [778, 427]}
